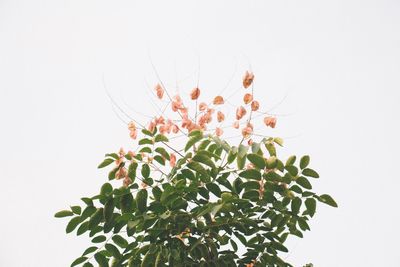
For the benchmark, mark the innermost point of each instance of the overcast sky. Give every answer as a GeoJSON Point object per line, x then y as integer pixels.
{"type": "Point", "coordinates": [335, 65]}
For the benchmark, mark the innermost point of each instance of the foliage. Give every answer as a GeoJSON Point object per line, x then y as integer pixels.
{"type": "Point", "coordinates": [213, 201]}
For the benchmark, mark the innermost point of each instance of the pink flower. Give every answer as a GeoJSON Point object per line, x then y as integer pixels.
{"type": "Point", "coordinates": [121, 173]}
{"type": "Point", "coordinates": [219, 131]}
{"type": "Point", "coordinates": [127, 181]}
{"type": "Point", "coordinates": [247, 98]}
{"type": "Point", "coordinates": [133, 134]}
{"type": "Point", "coordinates": [176, 106]}
{"type": "Point", "coordinates": [159, 91]}
{"type": "Point", "coordinates": [151, 126]}
{"type": "Point", "coordinates": [220, 116]}
{"type": "Point", "coordinates": [204, 119]}
{"type": "Point", "coordinates": [210, 111]}
{"type": "Point", "coordinates": [175, 128]}
{"type": "Point", "coordinates": [255, 105]}
{"type": "Point", "coordinates": [160, 120]}
{"type": "Point", "coordinates": [186, 121]}
{"type": "Point", "coordinates": [177, 103]}
{"type": "Point", "coordinates": [172, 160]}
{"type": "Point", "coordinates": [184, 112]}
{"type": "Point", "coordinates": [121, 152]}
{"type": "Point", "coordinates": [248, 79]}
{"type": "Point", "coordinates": [240, 112]}
{"type": "Point", "coordinates": [247, 131]}
{"type": "Point", "coordinates": [195, 94]}
{"type": "Point", "coordinates": [218, 100]}
{"type": "Point", "coordinates": [202, 106]}
{"type": "Point", "coordinates": [163, 129]}
{"type": "Point", "coordinates": [270, 121]}
{"type": "Point", "coordinates": [131, 126]}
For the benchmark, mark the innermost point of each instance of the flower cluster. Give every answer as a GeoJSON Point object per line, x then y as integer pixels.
{"type": "Point", "coordinates": [205, 113]}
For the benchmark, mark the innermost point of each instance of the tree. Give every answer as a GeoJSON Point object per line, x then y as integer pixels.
{"type": "Point", "coordinates": [199, 206]}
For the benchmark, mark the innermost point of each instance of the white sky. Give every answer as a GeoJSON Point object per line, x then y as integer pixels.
{"type": "Point", "coordinates": [337, 62]}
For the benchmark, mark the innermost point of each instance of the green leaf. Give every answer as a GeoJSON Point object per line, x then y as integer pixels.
{"type": "Point", "coordinates": [63, 213]}
{"type": "Point", "coordinates": [311, 205]}
{"type": "Point", "coordinates": [241, 161]}
{"type": "Point", "coordinates": [83, 228]}
{"type": "Point", "coordinates": [252, 195]}
{"type": "Point", "coordinates": [145, 170]}
{"type": "Point", "coordinates": [106, 162]}
{"type": "Point", "coordinates": [242, 150]}
{"type": "Point", "coordinates": [214, 189]}
{"type": "Point", "coordinates": [147, 132]}
{"type": "Point", "coordinates": [87, 264]}
{"type": "Point", "coordinates": [106, 189]}
{"type": "Point", "coordinates": [327, 199]}
{"type": "Point", "coordinates": [203, 145]}
{"type": "Point", "coordinates": [141, 200]}
{"type": "Point", "coordinates": [255, 148]}
{"type": "Point", "coordinates": [304, 182]}
{"type": "Point", "coordinates": [89, 250]}
{"type": "Point", "coordinates": [257, 160]}
{"type": "Point", "coordinates": [234, 245]}
{"type": "Point", "coordinates": [96, 218]}
{"type": "Point", "coordinates": [87, 201]}
{"type": "Point", "coordinates": [166, 193]}
{"type": "Point", "coordinates": [162, 152]}
{"type": "Point", "coordinates": [196, 133]}
{"type": "Point", "coordinates": [161, 138]}
{"type": "Point", "coordinates": [295, 205]}
{"type": "Point", "coordinates": [101, 259]}
{"type": "Point", "coordinates": [145, 141]}
{"type": "Point", "coordinates": [73, 223]}
{"type": "Point", "coordinates": [251, 174]}
{"type": "Point", "coordinates": [196, 167]}
{"type": "Point", "coordinates": [145, 149]}
{"type": "Point", "coordinates": [99, 239]}
{"type": "Point", "coordinates": [79, 261]}
{"type": "Point", "coordinates": [76, 209]}
{"type": "Point", "coordinates": [250, 185]}
{"type": "Point", "coordinates": [273, 176]}
{"type": "Point", "coordinates": [113, 155]}
{"type": "Point", "coordinates": [271, 148]}
{"type": "Point", "coordinates": [87, 212]}
{"type": "Point", "coordinates": [303, 224]}
{"type": "Point", "coordinates": [232, 155]}
{"type": "Point", "coordinates": [310, 173]}
{"type": "Point", "coordinates": [132, 170]}
{"type": "Point", "coordinates": [113, 250]}
{"type": "Point", "coordinates": [292, 170]}
{"type": "Point", "coordinates": [290, 161]}
{"type": "Point", "coordinates": [108, 210]}
{"type": "Point", "coordinates": [204, 159]}
{"type": "Point", "coordinates": [271, 162]}
{"type": "Point", "coordinates": [120, 241]}
{"type": "Point", "coordinates": [126, 203]}
{"type": "Point", "coordinates": [279, 246]}
{"type": "Point", "coordinates": [159, 159]}
{"type": "Point", "coordinates": [304, 161]}
{"type": "Point", "coordinates": [111, 174]}
{"type": "Point", "coordinates": [278, 141]}
{"type": "Point", "coordinates": [193, 140]}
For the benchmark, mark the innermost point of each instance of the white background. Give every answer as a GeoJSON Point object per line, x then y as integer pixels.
{"type": "Point", "coordinates": [334, 63]}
